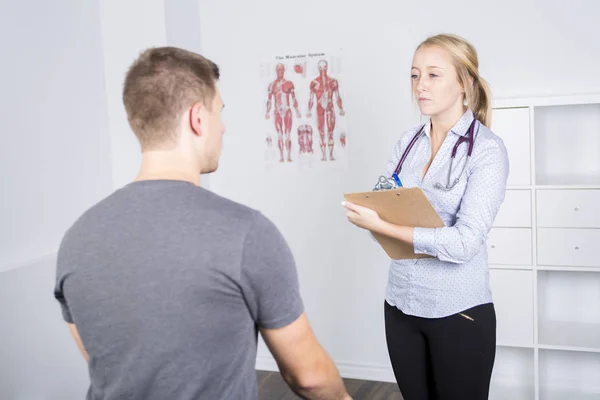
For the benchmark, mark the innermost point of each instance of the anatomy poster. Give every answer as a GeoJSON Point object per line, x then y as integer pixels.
{"type": "Point", "coordinates": [303, 97]}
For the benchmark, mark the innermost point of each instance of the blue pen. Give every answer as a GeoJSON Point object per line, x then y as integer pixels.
{"type": "Point", "coordinates": [397, 179]}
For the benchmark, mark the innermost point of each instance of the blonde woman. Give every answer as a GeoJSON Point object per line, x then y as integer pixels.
{"type": "Point", "coordinates": [439, 315]}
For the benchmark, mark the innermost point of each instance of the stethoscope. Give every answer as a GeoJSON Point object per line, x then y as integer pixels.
{"type": "Point", "coordinates": [389, 183]}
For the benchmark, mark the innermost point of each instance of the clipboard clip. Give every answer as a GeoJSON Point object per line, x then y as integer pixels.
{"type": "Point", "coordinates": [384, 183]}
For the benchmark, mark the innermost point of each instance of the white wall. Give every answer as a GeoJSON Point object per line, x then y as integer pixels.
{"type": "Point", "coordinates": [128, 27]}
{"type": "Point", "coordinates": [54, 157]}
{"type": "Point", "coordinates": [54, 163]}
{"type": "Point", "coordinates": [38, 357]}
{"type": "Point", "coordinates": [183, 30]}
{"type": "Point", "coordinates": [66, 145]}
{"type": "Point", "coordinates": [183, 24]}
{"type": "Point", "coordinates": [524, 49]}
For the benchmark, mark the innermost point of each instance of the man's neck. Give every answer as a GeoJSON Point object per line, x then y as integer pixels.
{"type": "Point", "coordinates": [167, 165]}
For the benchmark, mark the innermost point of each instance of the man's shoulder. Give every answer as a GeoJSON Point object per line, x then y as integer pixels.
{"type": "Point", "coordinates": [88, 215]}
{"type": "Point", "coordinates": [191, 198]}
{"type": "Point", "coordinates": [121, 207]}
{"type": "Point", "coordinates": [72, 238]}
{"type": "Point", "coordinates": [228, 208]}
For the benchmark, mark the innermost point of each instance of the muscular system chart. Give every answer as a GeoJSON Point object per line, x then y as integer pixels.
{"type": "Point", "coordinates": [304, 117]}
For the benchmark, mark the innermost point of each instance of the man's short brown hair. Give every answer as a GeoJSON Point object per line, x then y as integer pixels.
{"type": "Point", "coordinates": [160, 85]}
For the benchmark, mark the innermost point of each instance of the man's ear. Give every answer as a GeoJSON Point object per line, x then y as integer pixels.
{"type": "Point", "coordinates": [196, 118]}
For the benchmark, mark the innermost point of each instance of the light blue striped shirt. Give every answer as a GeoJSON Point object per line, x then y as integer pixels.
{"type": "Point", "coordinates": [458, 277]}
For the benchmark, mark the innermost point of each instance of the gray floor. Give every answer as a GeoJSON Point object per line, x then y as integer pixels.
{"type": "Point", "coordinates": [272, 387]}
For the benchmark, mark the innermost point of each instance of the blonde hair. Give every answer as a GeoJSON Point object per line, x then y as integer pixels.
{"type": "Point", "coordinates": [463, 53]}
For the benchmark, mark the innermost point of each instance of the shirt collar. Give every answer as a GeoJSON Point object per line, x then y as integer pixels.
{"type": "Point", "coordinates": [460, 128]}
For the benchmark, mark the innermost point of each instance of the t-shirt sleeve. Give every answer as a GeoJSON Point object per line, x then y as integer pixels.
{"type": "Point", "coordinates": [269, 278]}
{"type": "Point", "coordinates": [60, 296]}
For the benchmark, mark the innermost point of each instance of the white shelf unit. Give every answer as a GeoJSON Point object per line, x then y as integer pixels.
{"type": "Point", "coordinates": [512, 377]}
{"type": "Point", "coordinates": [544, 250]}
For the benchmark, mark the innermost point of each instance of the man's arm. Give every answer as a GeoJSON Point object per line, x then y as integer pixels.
{"type": "Point", "coordinates": [270, 287]}
{"type": "Point", "coordinates": [304, 364]}
{"type": "Point", "coordinates": [66, 312]}
{"type": "Point", "coordinates": [75, 334]}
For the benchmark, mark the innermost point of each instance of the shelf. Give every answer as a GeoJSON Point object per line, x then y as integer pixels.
{"type": "Point", "coordinates": [507, 392]}
{"type": "Point", "coordinates": [569, 309]}
{"type": "Point", "coordinates": [567, 268]}
{"type": "Point", "coordinates": [580, 186]}
{"type": "Point", "coordinates": [569, 348]}
{"type": "Point", "coordinates": [568, 395]}
{"type": "Point", "coordinates": [509, 267]}
{"type": "Point", "coordinates": [567, 144]}
{"type": "Point", "coordinates": [519, 187]}
{"type": "Point", "coordinates": [569, 375]}
{"type": "Point", "coordinates": [514, 346]}
{"type": "Point", "coordinates": [512, 292]}
{"type": "Point", "coordinates": [513, 127]}
{"type": "Point", "coordinates": [573, 336]}
{"type": "Point", "coordinates": [543, 264]}
{"type": "Point", "coordinates": [512, 376]}
{"type": "Point", "coordinates": [545, 101]}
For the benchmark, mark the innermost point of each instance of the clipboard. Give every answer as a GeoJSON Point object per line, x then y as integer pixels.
{"type": "Point", "coordinates": [401, 206]}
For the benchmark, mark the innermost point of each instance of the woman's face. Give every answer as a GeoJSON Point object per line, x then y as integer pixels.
{"type": "Point", "coordinates": [435, 81]}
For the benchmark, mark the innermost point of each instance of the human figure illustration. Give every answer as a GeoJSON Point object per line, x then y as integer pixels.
{"type": "Point", "coordinates": [281, 91]}
{"type": "Point", "coordinates": [323, 88]}
{"type": "Point", "coordinates": [305, 133]}
{"type": "Point", "coordinates": [343, 139]}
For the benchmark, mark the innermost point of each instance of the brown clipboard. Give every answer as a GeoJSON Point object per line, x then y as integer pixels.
{"type": "Point", "coordinates": [401, 206]}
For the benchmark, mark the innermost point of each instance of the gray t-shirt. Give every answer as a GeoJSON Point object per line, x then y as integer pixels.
{"type": "Point", "coordinates": [167, 284]}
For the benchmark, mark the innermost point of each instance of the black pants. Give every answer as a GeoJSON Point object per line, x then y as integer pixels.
{"type": "Point", "coordinates": [447, 358]}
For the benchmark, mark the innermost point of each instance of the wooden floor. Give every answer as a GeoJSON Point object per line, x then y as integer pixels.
{"type": "Point", "coordinates": [271, 386]}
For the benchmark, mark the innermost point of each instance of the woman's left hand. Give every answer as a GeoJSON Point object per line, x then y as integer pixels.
{"type": "Point", "coordinates": [362, 217]}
